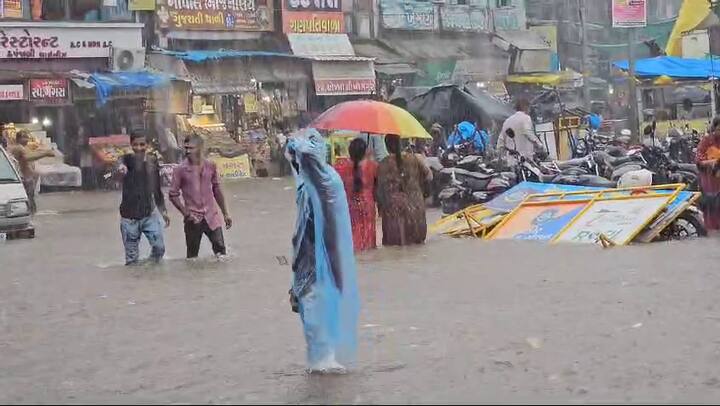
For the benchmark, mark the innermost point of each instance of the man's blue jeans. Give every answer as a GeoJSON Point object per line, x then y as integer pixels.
{"type": "Point", "coordinates": [132, 230]}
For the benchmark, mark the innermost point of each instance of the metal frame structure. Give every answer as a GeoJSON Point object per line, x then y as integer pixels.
{"type": "Point", "coordinates": [672, 190]}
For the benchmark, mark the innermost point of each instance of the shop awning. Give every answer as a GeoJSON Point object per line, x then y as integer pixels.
{"type": "Point", "coordinates": [383, 53]}
{"type": "Point", "coordinates": [214, 55]}
{"type": "Point", "coordinates": [674, 67]}
{"type": "Point", "coordinates": [320, 45]}
{"type": "Point", "coordinates": [336, 69]}
{"type": "Point", "coordinates": [430, 47]}
{"type": "Point", "coordinates": [215, 35]}
{"type": "Point", "coordinates": [241, 76]}
{"type": "Point", "coordinates": [395, 69]}
{"type": "Point", "coordinates": [551, 79]}
{"type": "Point", "coordinates": [107, 83]}
{"type": "Point", "coordinates": [337, 78]}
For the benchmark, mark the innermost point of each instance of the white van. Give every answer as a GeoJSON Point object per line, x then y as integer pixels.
{"type": "Point", "coordinates": [15, 218]}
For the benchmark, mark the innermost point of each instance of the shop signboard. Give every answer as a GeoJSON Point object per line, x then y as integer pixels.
{"type": "Point", "coordinates": [12, 92]}
{"type": "Point", "coordinates": [27, 41]}
{"type": "Point", "coordinates": [215, 15]}
{"type": "Point", "coordinates": [457, 17]}
{"type": "Point", "coordinates": [509, 18]}
{"type": "Point", "coordinates": [629, 13]}
{"type": "Point", "coordinates": [11, 8]}
{"type": "Point", "coordinates": [142, 5]}
{"type": "Point", "coordinates": [51, 91]}
{"type": "Point", "coordinates": [436, 72]}
{"type": "Point", "coordinates": [313, 17]}
{"type": "Point", "coordinates": [233, 168]}
{"type": "Point", "coordinates": [408, 15]}
{"type": "Point", "coordinates": [618, 220]}
{"type": "Point", "coordinates": [538, 222]}
{"type": "Point", "coordinates": [338, 87]}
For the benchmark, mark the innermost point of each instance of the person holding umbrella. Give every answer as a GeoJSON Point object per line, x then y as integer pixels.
{"type": "Point", "coordinates": [400, 175]}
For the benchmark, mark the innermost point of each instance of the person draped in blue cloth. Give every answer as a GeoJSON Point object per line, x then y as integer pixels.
{"type": "Point", "coordinates": [468, 134]}
{"type": "Point", "coordinates": [324, 288]}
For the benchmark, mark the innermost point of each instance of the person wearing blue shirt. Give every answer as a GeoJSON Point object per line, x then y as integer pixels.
{"type": "Point", "coordinates": [465, 132]}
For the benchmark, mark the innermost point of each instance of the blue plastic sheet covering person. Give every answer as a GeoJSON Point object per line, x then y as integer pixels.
{"type": "Point", "coordinates": [466, 132]}
{"type": "Point", "coordinates": [106, 83]}
{"type": "Point", "coordinates": [324, 275]}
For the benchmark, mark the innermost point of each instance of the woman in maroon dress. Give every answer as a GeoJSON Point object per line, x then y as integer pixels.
{"type": "Point", "coordinates": [359, 176]}
{"type": "Point", "coordinates": [708, 157]}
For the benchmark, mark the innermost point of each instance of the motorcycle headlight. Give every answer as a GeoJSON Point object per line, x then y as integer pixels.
{"type": "Point", "coordinates": [19, 208]}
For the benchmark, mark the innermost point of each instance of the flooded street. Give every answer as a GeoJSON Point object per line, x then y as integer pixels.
{"type": "Point", "coordinates": [455, 320]}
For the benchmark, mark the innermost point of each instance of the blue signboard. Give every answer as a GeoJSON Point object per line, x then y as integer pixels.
{"type": "Point", "coordinates": [408, 15]}
{"type": "Point", "coordinates": [464, 18]}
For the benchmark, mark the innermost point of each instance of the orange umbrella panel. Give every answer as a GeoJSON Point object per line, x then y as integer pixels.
{"type": "Point", "coordinates": [368, 116]}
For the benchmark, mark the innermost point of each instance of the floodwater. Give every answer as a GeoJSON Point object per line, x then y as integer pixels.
{"type": "Point", "coordinates": [454, 321]}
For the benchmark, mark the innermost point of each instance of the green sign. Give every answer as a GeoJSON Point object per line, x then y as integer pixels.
{"type": "Point", "coordinates": [436, 72]}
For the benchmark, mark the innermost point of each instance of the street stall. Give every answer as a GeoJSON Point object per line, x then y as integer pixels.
{"type": "Point", "coordinates": [53, 172]}
{"type": "Point", "coordinates": [556, 107]}
{"type": "Point", "coordinates": [241, 102]}
{"type": "Point", "coordinates": [665, 80]}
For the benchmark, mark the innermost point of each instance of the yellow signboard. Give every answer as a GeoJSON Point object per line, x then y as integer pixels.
{"type": "Point", "coordinates": [141, 5]}
{"type": "Point", "coordinates": [233, 168]}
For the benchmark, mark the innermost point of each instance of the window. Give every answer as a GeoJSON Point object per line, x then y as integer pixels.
{"type": "Point", "coordinates": [73, 10]}
{"type": "Point", "coordinates": [504, 3]}
{"type": "Point", "coordinates": [85, 10]}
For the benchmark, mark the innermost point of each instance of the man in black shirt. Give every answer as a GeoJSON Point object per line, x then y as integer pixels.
{"type": "Point", "coordinates": [141, 194]}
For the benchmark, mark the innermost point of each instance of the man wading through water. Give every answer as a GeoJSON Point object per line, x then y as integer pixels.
{"type": "Point", "coordinates": [141, 194]}
{"type": "Point", "coordinates": [26, 162]}
{"type": "Point", "coordinates": [196, 180]}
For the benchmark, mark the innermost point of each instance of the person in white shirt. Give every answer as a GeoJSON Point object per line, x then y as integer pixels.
{"type": "Point", "coordinates": [524, 141]}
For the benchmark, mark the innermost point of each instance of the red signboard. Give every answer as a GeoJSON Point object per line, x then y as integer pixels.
{"type": "Point", "coordinates": [629, 13]}
{"type": "Point", "coordinates": [49, 90]}
{"type": "Point", "coordinates": [329, 87]}
{"type": "Point", "coordinates": [313, 17]}
{"type": "Point", "coordinates": [307, 22]}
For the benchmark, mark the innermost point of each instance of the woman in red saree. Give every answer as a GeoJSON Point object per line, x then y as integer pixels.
{"type": "Point", "coordinates": [359, 176]}
{"type": "Point", "coordinates": [708, 162]}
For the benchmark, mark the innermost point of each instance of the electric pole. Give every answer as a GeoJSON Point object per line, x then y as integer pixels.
{"type": "Point", "coordinates": [584, 53]}
{"type": "Point", "coordinates": [634, 119]}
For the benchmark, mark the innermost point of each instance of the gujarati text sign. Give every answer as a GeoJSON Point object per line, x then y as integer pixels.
{"type": "Point", "coordinates": [233, 168]}
{"type": "Point", "coordinates": [11, 92]}
{"type": "Point", "coordinates": [219, 15]}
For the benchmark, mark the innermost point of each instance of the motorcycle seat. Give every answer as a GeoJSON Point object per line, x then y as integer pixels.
{"type": "Point", "coordinates": [597, 181]}
{"type": "Point", "coordinates": [570, 163]}
{"type": "Point", "coordinates": [688, 167]}
{"type": "Point", "coordinates": [459, 172]}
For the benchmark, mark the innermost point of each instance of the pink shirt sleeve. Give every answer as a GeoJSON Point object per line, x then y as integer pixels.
{"type": "Point", "coordinates": [176, 183]}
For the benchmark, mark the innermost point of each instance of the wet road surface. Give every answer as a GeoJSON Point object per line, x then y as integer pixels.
{"type": "Point", "coordinates": [455, 320]}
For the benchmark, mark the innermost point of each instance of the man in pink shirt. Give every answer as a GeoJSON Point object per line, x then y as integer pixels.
{"type": "Point", "coordinates": [194, 191]}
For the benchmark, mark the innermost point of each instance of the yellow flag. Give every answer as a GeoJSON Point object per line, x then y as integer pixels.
{"type": "Point", "coordinates": [692, 13]}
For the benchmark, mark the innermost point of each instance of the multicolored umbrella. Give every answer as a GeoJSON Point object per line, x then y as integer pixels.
{"type": "Point", "coordinates": [372, 117]}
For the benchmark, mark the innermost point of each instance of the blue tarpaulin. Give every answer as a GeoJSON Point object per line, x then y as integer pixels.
{"type": "Point", "coordinates": [674, 67]}
{"type": "Point", "coordinates": [202, 56]}
{"type": "Point", "coordinates": [107, 83]}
